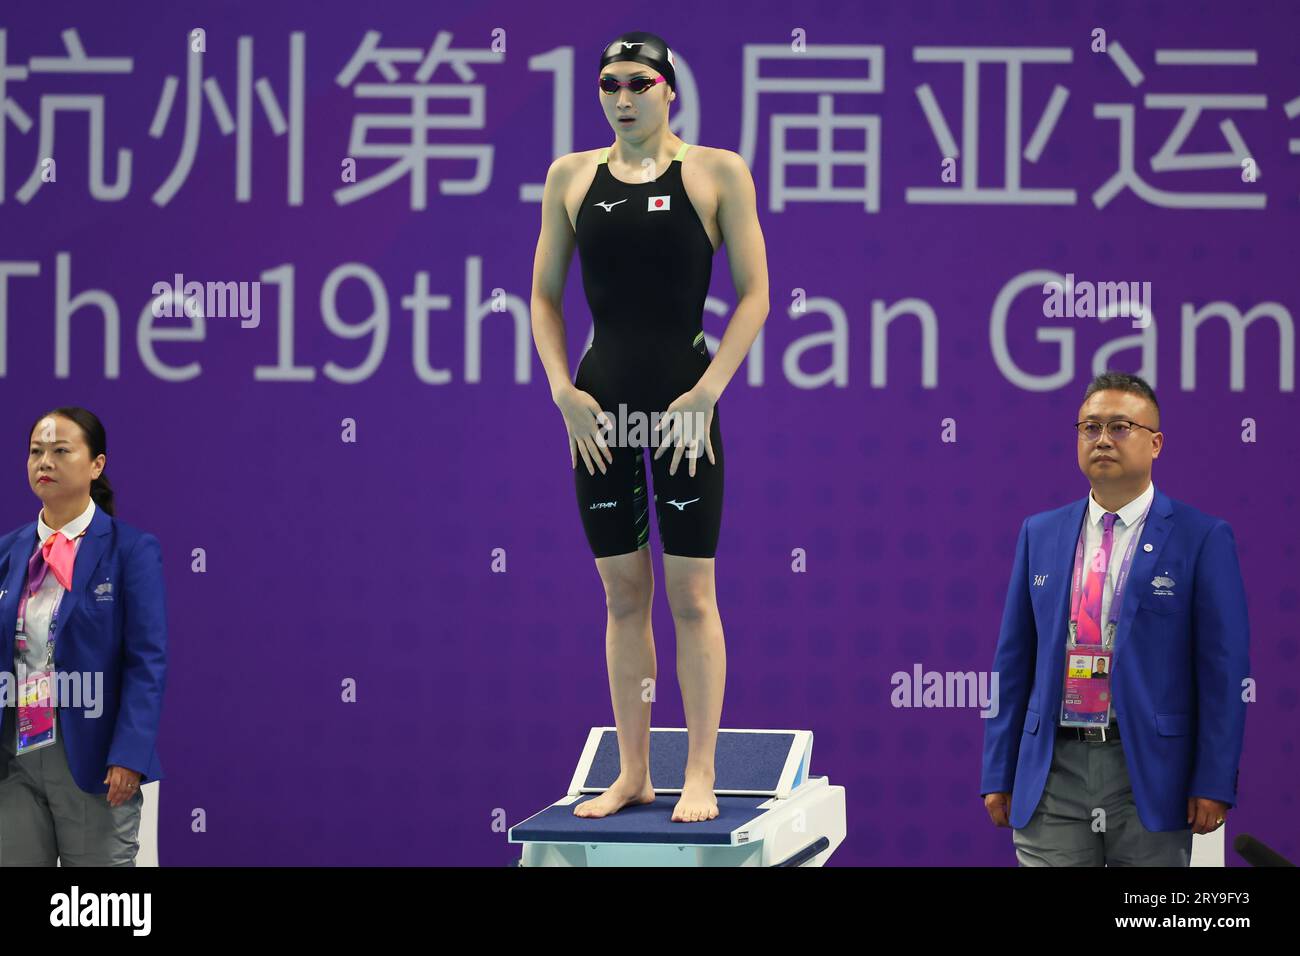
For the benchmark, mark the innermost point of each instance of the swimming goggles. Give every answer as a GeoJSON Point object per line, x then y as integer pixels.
{"type": "Point", "coordinates": [638, 84]}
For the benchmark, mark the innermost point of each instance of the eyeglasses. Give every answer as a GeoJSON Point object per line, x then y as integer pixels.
{"type": "Point", "coordinates": [1118, 430]}
{"type": "Point", "coordinates": [638, 84]}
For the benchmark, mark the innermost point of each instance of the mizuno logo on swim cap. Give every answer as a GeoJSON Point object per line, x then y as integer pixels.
{"type": "Point", "coordinates": [629, 46]}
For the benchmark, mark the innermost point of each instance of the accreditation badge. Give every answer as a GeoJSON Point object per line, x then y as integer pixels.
{"type": "Point", "coordinates": [1085, 701]}
{"type": "Point", "coordinates": [35, 712]}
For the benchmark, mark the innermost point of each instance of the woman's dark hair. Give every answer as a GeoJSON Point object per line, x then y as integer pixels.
{"type": "Point", "coordinates": [92, 429]}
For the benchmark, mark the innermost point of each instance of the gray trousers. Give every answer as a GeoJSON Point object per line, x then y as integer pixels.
{"type": "Point", "coordinates": [1066, 830]}
{"type": "Point", "coordinates": [45, 818]}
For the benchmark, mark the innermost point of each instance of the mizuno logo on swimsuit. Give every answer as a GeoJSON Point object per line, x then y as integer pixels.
{"type": "Point", "coordinates": [607, 205]}
{"type": "Point", "coordinates": [681, 505]}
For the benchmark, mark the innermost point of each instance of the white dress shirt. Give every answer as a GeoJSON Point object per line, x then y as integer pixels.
{"type": "Point", "coordinates": [1128, 524]}
{"type": "Point", "coordinates": [41, 605]}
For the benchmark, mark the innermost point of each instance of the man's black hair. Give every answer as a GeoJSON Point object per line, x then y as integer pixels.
{"type": "Point", "coordinates": [1123, 382]}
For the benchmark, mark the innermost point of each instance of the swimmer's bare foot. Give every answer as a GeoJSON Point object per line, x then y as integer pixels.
{"type": "Point", "coordinates": [624, 790]}
{"type": "Point", "coordinates": [697, 802]}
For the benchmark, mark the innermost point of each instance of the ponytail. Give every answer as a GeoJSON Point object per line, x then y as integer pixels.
{"type": "Point", "coordinates": [101, 492]}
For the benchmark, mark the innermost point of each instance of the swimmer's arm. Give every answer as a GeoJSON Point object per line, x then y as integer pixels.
{"type": "Point", "coordinates": [747, 255]}
{"type": "Point", "coordinates": [555, 247]}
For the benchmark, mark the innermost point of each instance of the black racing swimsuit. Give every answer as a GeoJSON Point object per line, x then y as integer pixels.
{"type": "Point", "coordinates": [646, 264]}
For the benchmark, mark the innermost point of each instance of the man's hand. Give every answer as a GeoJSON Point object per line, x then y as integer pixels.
{"type": "Point", "coordinates": [1205, 815]}
{"type": "Point", "coordinates": [123, 784]}
{"type": "Point", "coordinates": [999, 806]}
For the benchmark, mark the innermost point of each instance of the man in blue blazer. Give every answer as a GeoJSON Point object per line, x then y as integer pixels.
{"type": "Point", "coordinates": [1154, 760]}
{"type": "Point", "coordinates": [116, 626]}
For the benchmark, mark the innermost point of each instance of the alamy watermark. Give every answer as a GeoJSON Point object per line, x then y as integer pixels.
{"type": "Point", "coordinates": [949, 689]}
{"type": "Point", "coordinates": [218, 300]}
{"type": "Point", "coordinates": [634, 429]}
{"type": "Point", "coordinates": [79, 689]}
{"type": "Point", "coordinates": [1103, 300]}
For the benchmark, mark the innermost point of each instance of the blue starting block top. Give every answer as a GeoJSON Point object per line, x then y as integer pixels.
{"type": "Point", "coordinates": [745, 762]}
{"type": "Point", "coordinates": [640, 823]}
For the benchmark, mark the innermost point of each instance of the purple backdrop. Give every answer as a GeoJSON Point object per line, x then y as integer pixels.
{"type": "Point", "coordinates": [371, 559]}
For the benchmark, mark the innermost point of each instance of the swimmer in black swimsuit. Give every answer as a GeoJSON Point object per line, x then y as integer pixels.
{"type": "Point", "coordinates": [643, 215]}
{"type": "Point", "coordinates": [646, 263]}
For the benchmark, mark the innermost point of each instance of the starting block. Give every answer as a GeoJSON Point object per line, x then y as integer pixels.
{"type": "Point", "coordinates": [771, 811]}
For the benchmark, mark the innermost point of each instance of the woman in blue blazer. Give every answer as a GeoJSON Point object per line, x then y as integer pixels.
{"type": "Point", "coordinates": [83, 660]}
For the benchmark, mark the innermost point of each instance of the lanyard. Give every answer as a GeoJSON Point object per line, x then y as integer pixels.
{"type": "Point", "coordinates": [54, 615]}
{"type": "Point", "coordinates": [1076, 587]}
{"type": "Point", "coordinates": [21, 630]}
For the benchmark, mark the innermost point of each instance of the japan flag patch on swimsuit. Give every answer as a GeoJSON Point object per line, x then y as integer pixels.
{"type": "Point", "coordinates": [657, 203]}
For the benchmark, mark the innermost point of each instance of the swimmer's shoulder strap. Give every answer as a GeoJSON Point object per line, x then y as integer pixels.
{"type": "Point", "coordinates": [681, 154]}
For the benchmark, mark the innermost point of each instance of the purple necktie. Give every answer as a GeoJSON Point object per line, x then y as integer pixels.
{"type": "Point", "coordinates": [56, 553]}
{"type": "Point", "coordinates": [1089, 630]}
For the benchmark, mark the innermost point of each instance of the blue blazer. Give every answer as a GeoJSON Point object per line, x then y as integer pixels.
{"type": "Point", "coordinates": [1181, 655]}
{"type": "Point", "coordinates": [120, 631]}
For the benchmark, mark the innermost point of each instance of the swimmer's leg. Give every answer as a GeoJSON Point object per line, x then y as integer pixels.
{"type": "Point", "coordinates": [630, 658]}
{"type": "Point", "coordinates": [701, 672]}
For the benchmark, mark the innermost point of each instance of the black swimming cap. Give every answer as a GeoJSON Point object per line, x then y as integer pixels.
{"type": "Point", "coordinates": [641, 47]}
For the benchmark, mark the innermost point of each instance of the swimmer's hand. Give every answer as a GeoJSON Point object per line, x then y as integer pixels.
{"type": "Point", "coordinates": [586, 424]}
{"type": "Point", "coordinates": [685, 425]}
